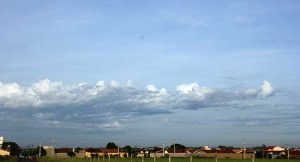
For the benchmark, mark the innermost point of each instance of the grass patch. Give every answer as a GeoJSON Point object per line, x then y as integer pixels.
{"type": "Point", "coordinates": [48, 159]}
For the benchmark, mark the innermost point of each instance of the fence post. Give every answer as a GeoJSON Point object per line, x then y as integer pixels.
{"type": "Point", "coordinates": [191, 158]}
{"type": "Point", "coordinates": [169, 158]}
{"type": "Point", "coordinates": [143, 158]}
{"type": "Point", "coordinates": [154, 158]}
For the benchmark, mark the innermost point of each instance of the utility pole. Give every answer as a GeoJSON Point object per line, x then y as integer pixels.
{"type": "Point", "coordinates": [53, 145]}
{"type": "Point", "coordinates": [288, 151]}
{"type": "Point", "coordinates": [163, 149]}
{"type": "Point", "coordinates": [118, 150]}
{"type": "Point", "coordinates": [40, 149]}
{"type": "Point", "coordinates": [174, 147]}
{"type": "Point", "coordinates": [244, 148]}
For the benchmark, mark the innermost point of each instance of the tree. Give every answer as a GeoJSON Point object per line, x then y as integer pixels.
{"type": "Point", "coordinates": [128, 149]}
{"type": "Point", "coordinates": [12, 147]}
{"type": "Point", "coordinates": [34, 151]}
{"type": "Point", "coordinates": [111, 145]}
{"type": "Point", "coordinates": [71, 153]}
{"type": "Point", "coordinates": [77, 149]}
{"type": "Point", "coordinates": [178, 146]}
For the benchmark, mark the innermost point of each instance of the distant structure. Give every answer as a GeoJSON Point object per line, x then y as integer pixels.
{"type": "Point", "coordinates": [1, 141]}
{"type": "Point", "coordinates": [49, 150]}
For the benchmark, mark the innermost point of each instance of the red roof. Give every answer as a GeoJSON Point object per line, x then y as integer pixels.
{"type": "Point", "coordinates": [171, 150]}
{"type": "Point", "coordinates": [294, 153]}
{"type": "Point", "coordinates": [63, 150]}
{"type": "Point", "coordinates": [92, 150]}
{"type": "Point", "coordinates": [102, 150]}
{"type": "Point", "coordinates": [109, 150]}
{"type": "Point", "coordinates": [219, 151]}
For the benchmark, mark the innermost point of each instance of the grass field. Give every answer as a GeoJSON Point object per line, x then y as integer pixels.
{"type": "Point", "coordinates": [47, 159]}
{"type": "Point", "coordinates": [165, 160]}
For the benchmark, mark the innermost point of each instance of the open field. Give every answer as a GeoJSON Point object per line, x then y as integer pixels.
{"type": "Point", "coordinates": [165, 160]}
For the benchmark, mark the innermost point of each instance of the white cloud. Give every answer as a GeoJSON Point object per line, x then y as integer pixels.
{"type": "Point", "coordinates": [110, 126]}
{"type": "Point", "coordinates": [151, 88]}
{"type": "Point", "coordinates": [193, 90]}
{"type": "Point", "coordinates": [10, 90]}
{"type": "Point", "coordinates": [46, 93]}
{"type": "Point", "coordinates": [266, 89]}
{"type": "Point", "coordinates": [46, 86]}
{"type": "Point", "coordinates": [95, 107]}
{"type": "Point", "coordinates": [114, 84]}
{"type": "Point", "coordinates": [129, 83]}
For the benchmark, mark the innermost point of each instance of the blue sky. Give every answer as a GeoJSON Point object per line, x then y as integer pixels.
{"type": "Point", "coordinates": [150, 72]}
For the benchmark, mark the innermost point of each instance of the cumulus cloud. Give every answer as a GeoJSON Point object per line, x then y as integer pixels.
{"type": "Point", "coordinates": [266, 89]}
{"type": "Point", "coordinates": [97, 106]}
{"type": "Point", "coordinates": [47, 93]}
{"type": "Point", "coordinates": [195, 91]}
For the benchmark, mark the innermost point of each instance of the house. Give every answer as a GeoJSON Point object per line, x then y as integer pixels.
{"type": "Point", "coordinates": [4, 153]}
{"type": "Point", "coordinates": [63, 152]}
{"type": "Point", "coordinates": [274, 148]}
{"type": "Point", "coordinates": [173, 152]}
{"type": "Point", "coordinates": [205, 148]}
{"type": "Point", "coordinates": [274, 152]}
{"type": "Point", "coordinates": [94, 152]}
{"type": "Point", "coordinates": [227, 153]}
{"type": "Point", "coordinates": [294, 154]}
{"type": "Point", "coordinates": [1, 141]}
{"type": "Point", "coordinates": [178, 152]}
{"type": "Point", "coordinates": [49, 150]}
{"type": "Point", "coordinates": [80, 154]}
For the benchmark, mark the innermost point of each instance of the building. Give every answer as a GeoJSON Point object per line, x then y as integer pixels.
{"type": "Point", "coordinates": [4, 153]}
{"type": "Point", "coordinates": [49, 150]}
{"type": "Point", "coordinates": [274, 152]}
{"type": "Point", "coordinates": [294, 154]}
{"type": "Point", "coordinates": [63, 152]}
{"type": "Point", "coordinates": [102, 152]}
{"type": "Point", "coordinates": [227, 153]}
{"type": "Point", "coordinates": [1, 141]}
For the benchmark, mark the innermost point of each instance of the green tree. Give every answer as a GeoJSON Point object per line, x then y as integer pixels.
{"type": "Point", "coordinates": [77, 149]}
{"type": "Point", "coordinates": [178, 146]}
{"type": "Point", "coordinates": [12, 147]}
{"type": "Point", "coordinates": [128, 149]}
{"type": "Point", "coordinates": [111, 145]}
{"type": "Point", "coordinates": [71, 153]}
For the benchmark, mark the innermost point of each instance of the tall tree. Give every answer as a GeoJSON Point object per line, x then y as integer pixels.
{"type": "Point", "coordinates": [128, 149]}
{"type": "Point", "coordinates": [111, 145]}
{"type": "Point", "coordinates": [178, 146]}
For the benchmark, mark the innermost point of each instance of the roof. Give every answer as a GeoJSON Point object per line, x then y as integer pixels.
{"type": "Point", "coordinates": [63, 150]}
{"type": "Point", "coordinates": [294, 153]}
{"type": "Point", "coordinates": [109, 150]}
{"type": "Point", "coordinates": [219, 151]}
{"type": "Point", "coordinates": [171, 150]}
{"type": "Point", "coordinates": [102, 150]}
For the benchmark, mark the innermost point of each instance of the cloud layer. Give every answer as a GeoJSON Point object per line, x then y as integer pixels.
{"type": "Point", "coordinates": [46, 93]}
{"type": "Point", "coordinates": [104, 106]}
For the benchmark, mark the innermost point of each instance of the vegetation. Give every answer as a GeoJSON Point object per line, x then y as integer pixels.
{"type": "Point", "coordinates": [33, 152]}
{"type": "Point", "coordinates": [111, 145]}
{"type": "Point", "coordinates": [47, 159]}
{"type": "Point", "coordinates": [128, 149]}
{"type": "Point", "coordinates": [12, 147]}
{"type": "Point", "coordinates": [178, 146]}
{"type": "Point", "coordinates": [8, 159]}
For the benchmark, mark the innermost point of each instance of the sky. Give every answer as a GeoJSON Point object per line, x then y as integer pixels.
{"type": "Point", "coordinates": [148, 73]}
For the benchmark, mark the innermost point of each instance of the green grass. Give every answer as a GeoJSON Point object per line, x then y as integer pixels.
{"type": "Point", "coordinates": [8, 159]}
{"type": "Point", "coordinates": [47, 159]}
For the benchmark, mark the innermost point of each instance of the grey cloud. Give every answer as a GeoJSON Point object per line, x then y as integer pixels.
{"type": "Point", "coordinates": [55, 105]}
